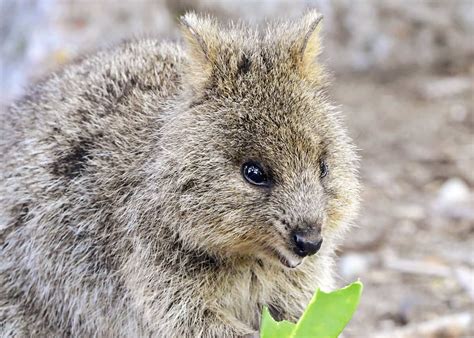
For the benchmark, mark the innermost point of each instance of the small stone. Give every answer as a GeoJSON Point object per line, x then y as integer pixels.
{"type": "Point", "coordinates": [446, 87]}
{"type": "Point", "coordinates": [353, 265]}
{"type": "Point", "coordinates": [410, 211]}
{"type": "Point", "coordinates": [453, 191]}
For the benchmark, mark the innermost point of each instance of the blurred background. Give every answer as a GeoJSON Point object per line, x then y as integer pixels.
{"type": "Point", "coordinates": [403, 74]}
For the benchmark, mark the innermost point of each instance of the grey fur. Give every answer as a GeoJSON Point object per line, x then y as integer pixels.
{"type": "Point", "coordinates": [123, 209]}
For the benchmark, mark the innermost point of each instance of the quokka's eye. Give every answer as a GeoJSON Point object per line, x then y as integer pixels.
{"type": "Point", "coordinates": [323, 169]}
{"type": "Point", "coordinates": [254, 174]}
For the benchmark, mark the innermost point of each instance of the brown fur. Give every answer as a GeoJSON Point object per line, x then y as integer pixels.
{"type": "Point", "coordinates": [123, 208]}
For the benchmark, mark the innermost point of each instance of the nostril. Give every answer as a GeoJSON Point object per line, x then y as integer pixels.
{"type": "Point", "coordinates": [318, 246]}
{"type": "Point", "coordinates": [300, 245]}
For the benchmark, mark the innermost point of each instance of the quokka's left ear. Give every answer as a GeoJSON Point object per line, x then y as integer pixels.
{"type": "Point", "coordinates": [307, 46]}
{"type": "Point", "coordinates": [201, 37]}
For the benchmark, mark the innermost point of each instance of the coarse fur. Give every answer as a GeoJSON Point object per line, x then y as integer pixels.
{"type": "Point", "coordinates": [123, 208]}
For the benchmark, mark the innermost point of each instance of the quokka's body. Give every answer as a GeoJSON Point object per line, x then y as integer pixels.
{"type": "Point", "coordinates": [129, 197]}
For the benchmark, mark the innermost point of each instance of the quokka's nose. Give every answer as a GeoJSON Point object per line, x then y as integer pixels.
{"type": "Point", "coordinates": [306, 244]}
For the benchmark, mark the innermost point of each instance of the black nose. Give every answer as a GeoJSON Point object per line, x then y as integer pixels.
{"type": "Point", "coordinates": [306, 245]}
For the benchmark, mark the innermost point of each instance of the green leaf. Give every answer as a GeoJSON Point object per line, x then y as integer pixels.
{"type": "Point", "coordinates": [325, 317]}
{"type": "Point", "coordinates": [328, 313]}
{"type": "Point", "coordinates": [270, 328]}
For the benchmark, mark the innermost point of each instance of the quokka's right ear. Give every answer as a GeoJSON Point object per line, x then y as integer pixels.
{"type": "Point", "coordinates": [200, 34]}
{"type": "Point", "coordinates": [308, 46]}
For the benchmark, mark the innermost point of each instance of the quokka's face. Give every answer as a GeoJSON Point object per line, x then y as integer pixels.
{"type": "Point", "coordinates": [269, 171]}
{"type": "Point", "coordinates": [270, 181]}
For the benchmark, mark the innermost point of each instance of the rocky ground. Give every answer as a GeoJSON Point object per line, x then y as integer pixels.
{"type": "Point", "coordinates": [414, 246]}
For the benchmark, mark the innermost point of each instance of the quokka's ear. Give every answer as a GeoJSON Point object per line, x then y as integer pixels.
{"type": "Point", "coordinates": [200, 34]}
{"type": "Point", "coordinates": [308, 46]}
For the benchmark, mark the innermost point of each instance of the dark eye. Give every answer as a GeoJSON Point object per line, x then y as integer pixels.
{"type": "Point", "coordinates": [323, 169]}
{"type": "Point", "coordinates": [254, 174]}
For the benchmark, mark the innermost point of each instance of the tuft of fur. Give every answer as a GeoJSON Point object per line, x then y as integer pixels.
{"type": "Point", "coordinates": [123, 208]}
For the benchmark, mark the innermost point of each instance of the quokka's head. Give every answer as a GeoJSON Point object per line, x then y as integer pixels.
{"type": "Point", "coordinates": [258, 160]}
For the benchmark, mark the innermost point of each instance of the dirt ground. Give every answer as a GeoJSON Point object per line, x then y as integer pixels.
{"type": "Point", "coordinates": [413, 247]}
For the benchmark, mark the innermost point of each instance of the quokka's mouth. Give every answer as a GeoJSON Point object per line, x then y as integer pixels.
{"type": "Point", "coordinates": [290, 261]}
